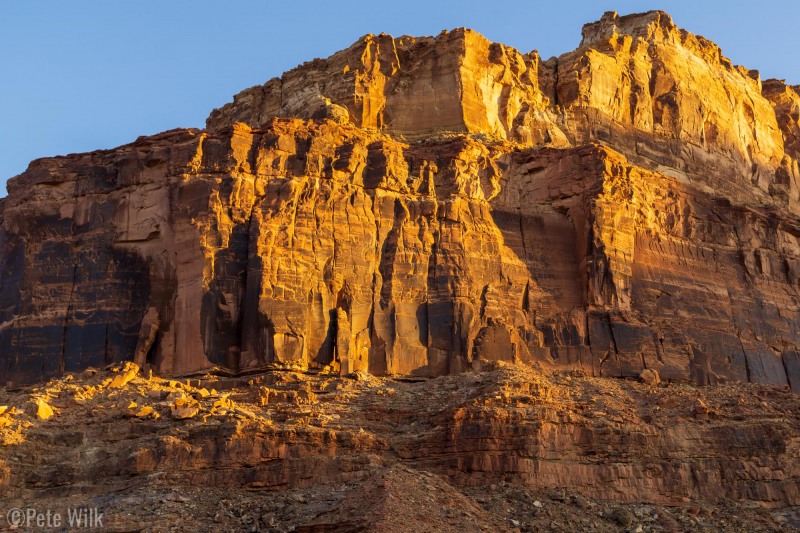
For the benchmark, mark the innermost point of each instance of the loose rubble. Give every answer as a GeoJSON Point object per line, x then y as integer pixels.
{"type": "Point", "coordinates": [511, 448]}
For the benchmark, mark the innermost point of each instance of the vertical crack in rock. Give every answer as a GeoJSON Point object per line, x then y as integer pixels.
{"type": "Point", "coordinates": [555, 83]}
{"type": "Point", "coordinates": [522, 238]}
{"type": "Point", "coordinates": [747, 370]}
{"type": "Point", "coordinates": [73, 281]}
{"type": "Point", "coordinates": [106, 359]}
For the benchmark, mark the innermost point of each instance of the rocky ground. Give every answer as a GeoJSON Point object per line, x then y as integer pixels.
{"type": "Point", "coordinates": [482, 451]}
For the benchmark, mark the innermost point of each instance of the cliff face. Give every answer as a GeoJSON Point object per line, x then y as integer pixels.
{"type": "Point", "coordinates": [422, 206]}
{"type": "Point", "coordinates": [455, 82]}
{"type": "Point", "coordinates": [667, 99]}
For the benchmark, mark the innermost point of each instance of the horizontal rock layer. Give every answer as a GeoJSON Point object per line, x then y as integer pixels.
{"type": "Point", "coordinates": [611, 440]}
{"type": "Point", "coordinates": [429, 205]}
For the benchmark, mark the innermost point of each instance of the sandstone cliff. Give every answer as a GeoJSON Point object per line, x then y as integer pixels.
{"type": "Point", "coordinates": [422, 206]}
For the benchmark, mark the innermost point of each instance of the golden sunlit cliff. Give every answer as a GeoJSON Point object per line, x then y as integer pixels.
{"type": "Point", "coordinates": [404, 274]}
{"type": "Point", "coordinates": [422, 205]}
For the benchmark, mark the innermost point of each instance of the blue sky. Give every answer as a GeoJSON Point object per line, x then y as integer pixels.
{"type": "Point", "coordinates": [83, 75]}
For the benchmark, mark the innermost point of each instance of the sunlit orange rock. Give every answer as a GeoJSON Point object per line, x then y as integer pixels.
{"type": "Point", "coordinates": [43, 410]}
{"type": "Point", "coordinates": [146, 411]}
{"type": "Point", "coordinates": [128, 373]}
{"type": "Point", "coordinates": [426, 206]}
{"type": "Point", "coordinates": [183, 408]}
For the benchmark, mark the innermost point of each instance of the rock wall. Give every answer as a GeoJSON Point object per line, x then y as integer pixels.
{"type": "Point", "coordinates": [421, 206]}
{"type": "Point", "coordinates": [667, 99]}
{"type": "Point", "coordinates": [456, 82]}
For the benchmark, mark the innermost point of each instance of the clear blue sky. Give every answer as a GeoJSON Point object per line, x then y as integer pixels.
{"type": "Point", "coordinates": [82, 75]}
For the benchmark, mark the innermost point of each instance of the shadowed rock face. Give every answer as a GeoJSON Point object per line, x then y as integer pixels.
{"type": "Point", "coordinates": [420, 206]}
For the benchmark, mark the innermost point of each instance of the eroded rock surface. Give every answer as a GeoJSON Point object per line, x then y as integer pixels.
{"type": "Point", "coordinates": [510, 448]}
{"type": "Point", "coordinates": [429, 205]}
{"type": "Point", "coordinates": [667, 99]}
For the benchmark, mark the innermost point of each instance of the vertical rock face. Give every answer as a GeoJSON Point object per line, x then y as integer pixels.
{"type": "Point", "coordinates": [671, 102]}
{"type": "Point", "coordinates": [455, 82]}
{"type": "Point", "coordinates": [667, 99]}
{"type": "Point", "coordinates": [423, 205]}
